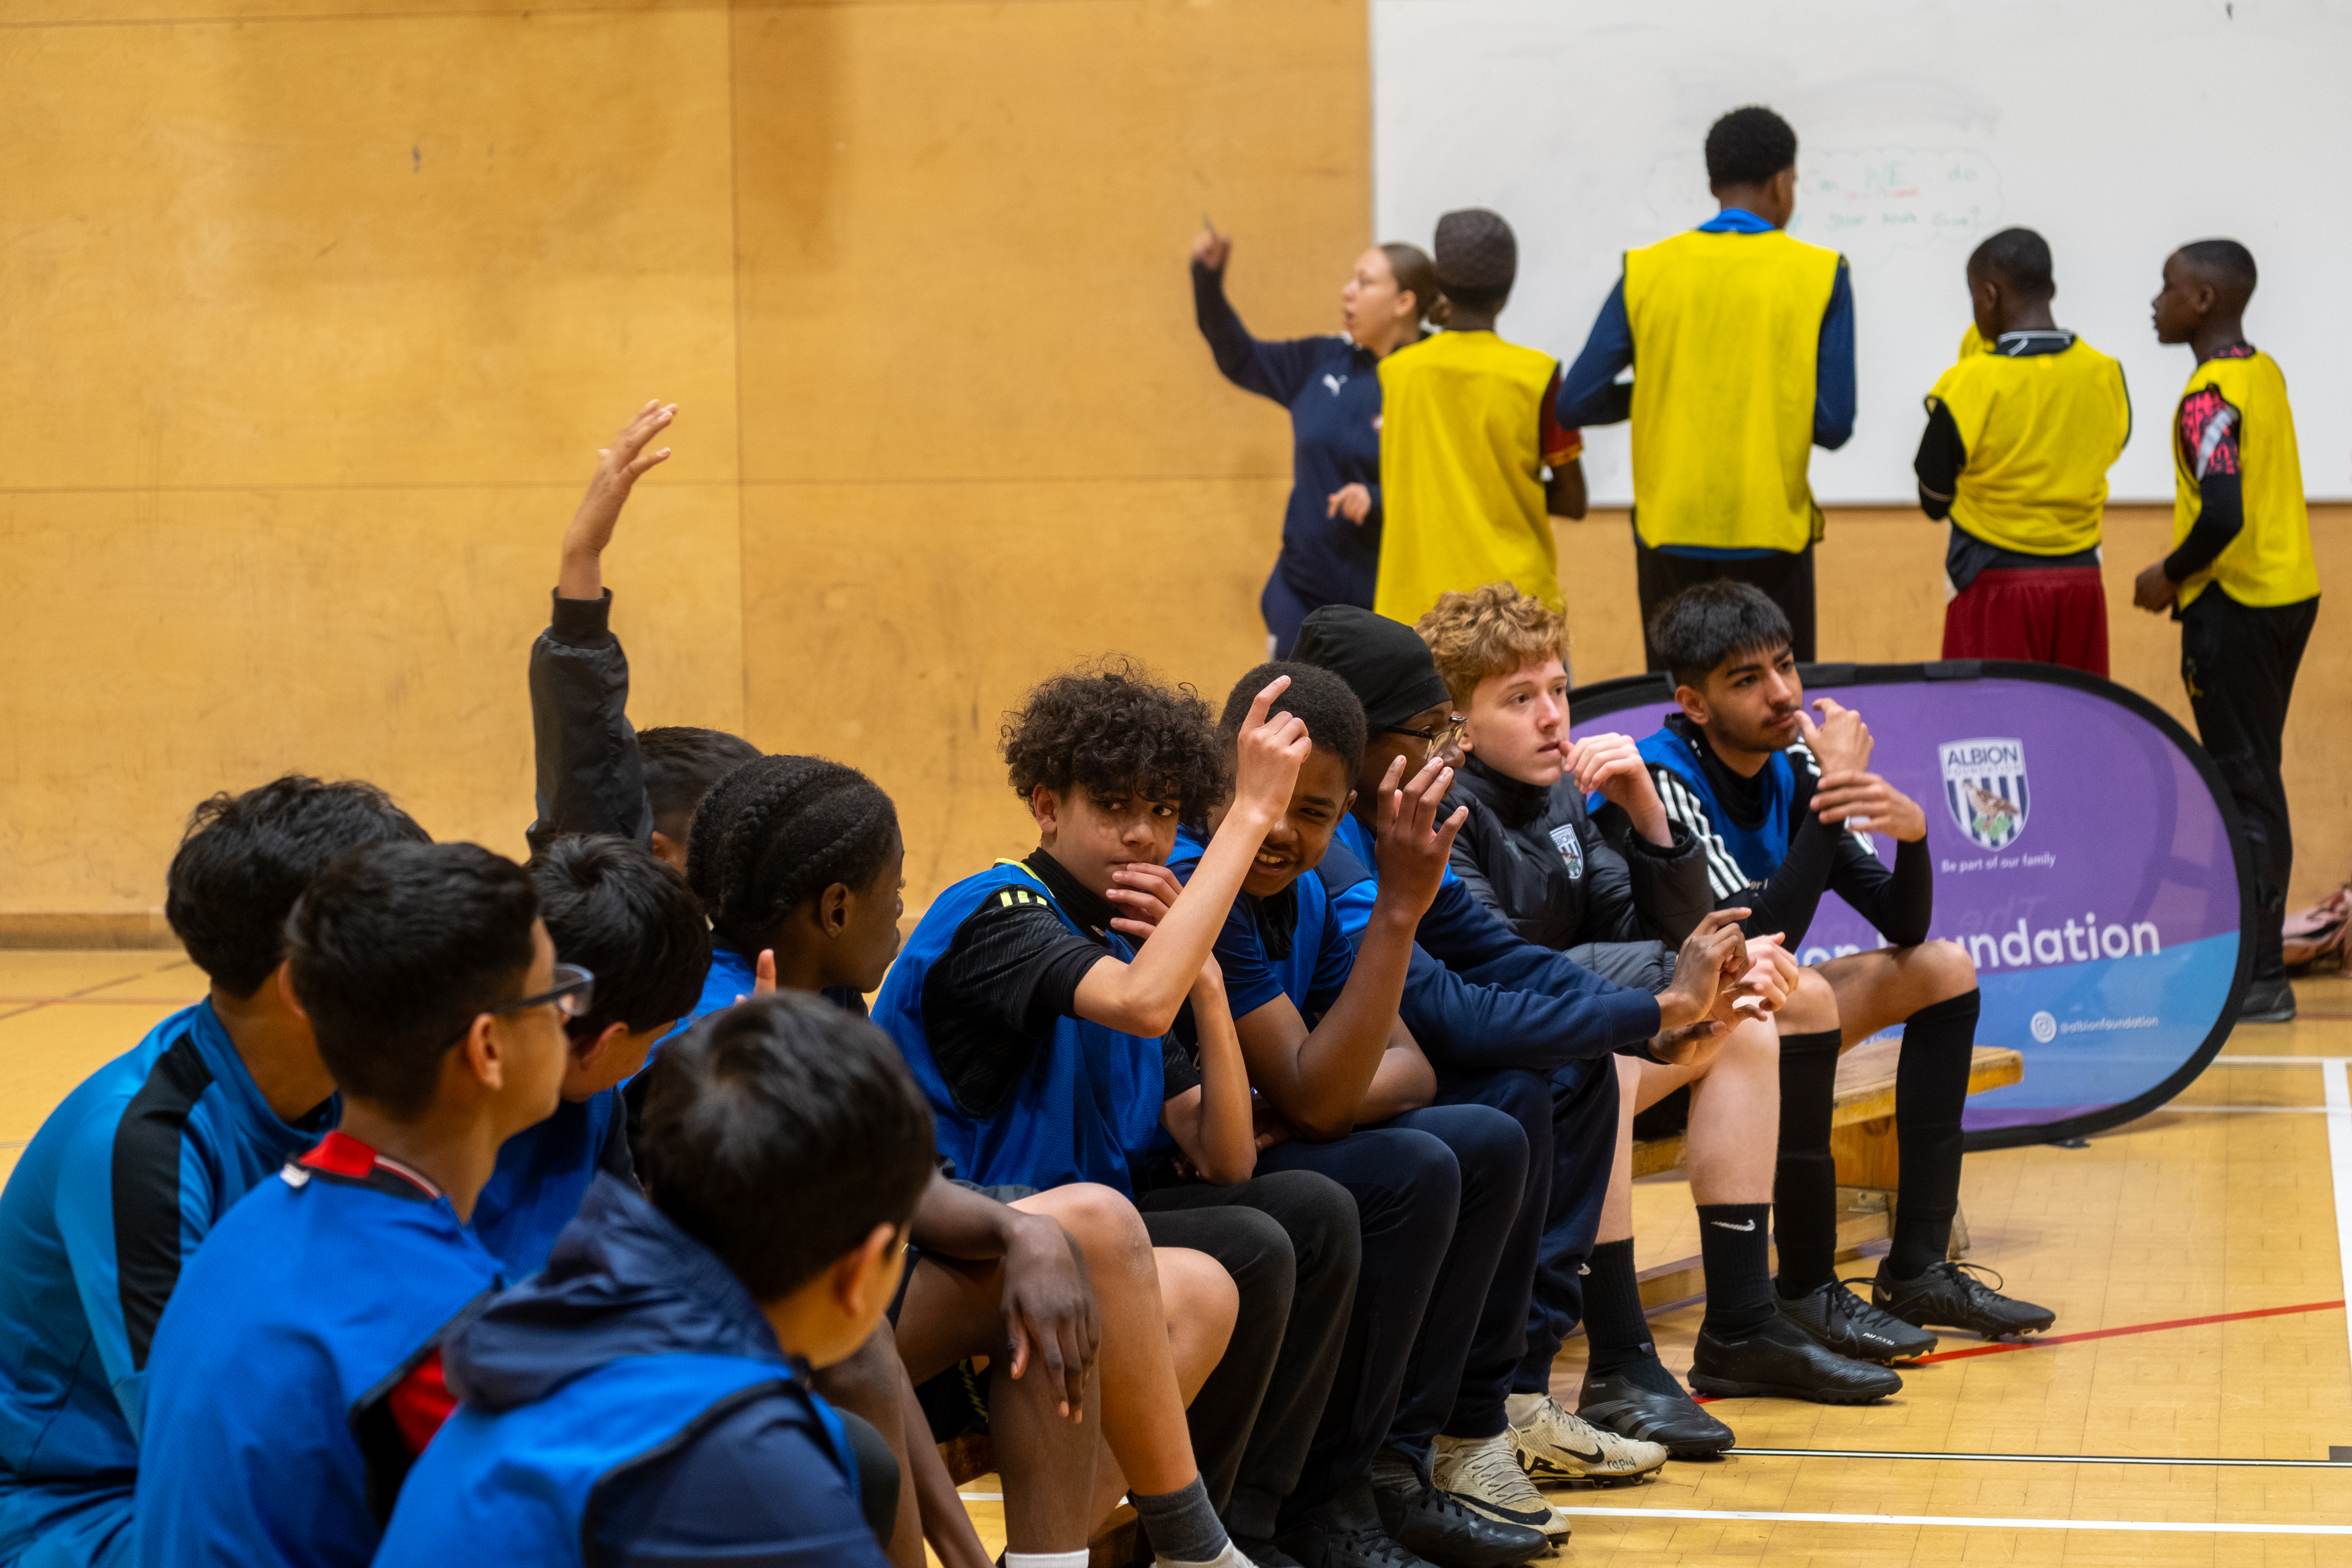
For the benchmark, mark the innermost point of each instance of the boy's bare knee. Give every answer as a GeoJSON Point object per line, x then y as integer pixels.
{"type": "Point", "coordinates": [1105, 1224]}
{"type": "Point", "coordinates": [1954, 971]}
{"type": "Point", "coordinates": [1812, 1008]}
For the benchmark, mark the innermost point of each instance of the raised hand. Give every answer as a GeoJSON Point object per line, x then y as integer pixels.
{"type": "Point", "coordinates": [1210, 248]}
{"type": "Point", "coordinates": [1271, 752]}
{"type": "Point", "coordinates": [1353, 502]}
{"type": "Point", "coordinates": [1410, 845]}
{"type": "Point", "coordinates": [1841, 742]}
{"type": "Point", "coordinates": [619, 467]}
{"type": "Point", "coordinates": [1869, 803]}
{"type": "Point", "coordinates": [1147, 892]}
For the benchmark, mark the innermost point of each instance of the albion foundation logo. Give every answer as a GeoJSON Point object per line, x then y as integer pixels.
{"type": "Point", "coordinates": [1984, 783]}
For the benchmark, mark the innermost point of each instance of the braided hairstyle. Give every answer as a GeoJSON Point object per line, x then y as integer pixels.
{"type": "Point", "coordinates": [777, 832]}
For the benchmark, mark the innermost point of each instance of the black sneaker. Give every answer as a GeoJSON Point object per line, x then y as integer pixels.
{"type": "Point", "coordinates": [1617, 1402]}
{"type": "Point", "coordinates": [1780, 1362]}
{"type": "Point", "coordinates": [1950, 1297]}
{"type": "Point", "coordinates": [1434, 1525]}
{"type": "Point", "coordinates": [1835, 1319]}
{"type": "Point", "coordinates": [2268, 1001]}
{"type": "Point", "coordinates": [1347, 1532]}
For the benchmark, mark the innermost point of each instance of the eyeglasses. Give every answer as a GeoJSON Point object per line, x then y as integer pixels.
{"type": "Point", "coordinates": [573, 992]}
{"type": "Point", "coordinates": [1416, 734]}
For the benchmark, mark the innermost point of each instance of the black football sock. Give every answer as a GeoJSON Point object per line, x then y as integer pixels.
{"type": "Point", "coordinates": [1734, 1245]}
{"type": "Point", "coordinates": [1614, 1324]}
{"type": "Point", "coordinates": [1931, 1085]}
{"type": "Point", "coordinates": [1804, 1185]}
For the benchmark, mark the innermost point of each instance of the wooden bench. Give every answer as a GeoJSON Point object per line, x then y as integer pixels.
{"type": "Point", "coordinates": [1869, 1172]}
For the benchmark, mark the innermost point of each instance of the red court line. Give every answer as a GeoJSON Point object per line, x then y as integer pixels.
{"type": "Point", "coordinates": [1997, 1347]}
{"type": "Point", "coordinates": [2000, 1347]}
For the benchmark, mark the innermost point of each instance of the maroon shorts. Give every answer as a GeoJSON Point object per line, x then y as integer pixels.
{"type": "Point", "coordinates": [2046, 615]}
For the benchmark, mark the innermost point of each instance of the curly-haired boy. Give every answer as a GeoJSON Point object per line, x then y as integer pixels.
{"type": "Point", "coordinates": [1039, 1022]}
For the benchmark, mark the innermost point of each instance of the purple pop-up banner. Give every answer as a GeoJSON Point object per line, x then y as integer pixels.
{"type": "Point", "coordinates": [2086, 856]}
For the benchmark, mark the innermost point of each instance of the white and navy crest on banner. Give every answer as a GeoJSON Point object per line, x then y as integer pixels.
{"type": "Point", "coordinates": [1571, 848]}
{"type": "Point", "coordinates": [1984, 783]}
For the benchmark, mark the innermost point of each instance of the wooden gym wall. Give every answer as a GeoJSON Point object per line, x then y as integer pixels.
{"type": "Point", "coordinates": [320, 309]}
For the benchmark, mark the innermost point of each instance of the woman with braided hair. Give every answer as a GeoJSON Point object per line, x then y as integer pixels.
{"type": "Point", "coordinates": [801, 858]}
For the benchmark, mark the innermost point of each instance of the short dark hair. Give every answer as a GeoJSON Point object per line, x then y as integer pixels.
{"type": "Point", "coordinates": [2018, 258]}
{"type": "Point", "coordinates": [2227, 265]}
{"type": "Point", "coordinates": [1112, 727]}
{"type": "Point", "coordinates": [1318, 698]}
{"type": "Point", "coordinates": [1708, 622]}
{"type": "Point", "coordinates": [1749, 146]}
{"type": "Point", "coordinates": [625, 915]}
{"type": "Point", "coordinates": [779, 1133]}
{"type": "Point", "coordinates": [682, 763]}
{"type": "Point", "coordinates": [395, 949]}
{"type": "Point", "coordinates": [779, 831]}
{"type": "Point", "coordinates": [245, 859]}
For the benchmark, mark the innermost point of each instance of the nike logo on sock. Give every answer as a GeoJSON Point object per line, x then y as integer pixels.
{"type": "Point", "coordinates": [1729, 1225]}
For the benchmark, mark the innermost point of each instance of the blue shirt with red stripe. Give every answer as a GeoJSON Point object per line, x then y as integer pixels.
{"type": "Point", "coordinates": [296, 1372]}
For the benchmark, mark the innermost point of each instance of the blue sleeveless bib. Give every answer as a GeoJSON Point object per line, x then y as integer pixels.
{"type": "Point", "coordinates": [1759, 850]}
{"type": "Point", "coordinates": [1091, 1095]}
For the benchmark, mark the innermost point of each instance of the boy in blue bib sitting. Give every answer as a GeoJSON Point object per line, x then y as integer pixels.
{"type": "Point", "coordinates": [645, 1399]}
{"type": "Point", "coordinates": [1040, 1031]}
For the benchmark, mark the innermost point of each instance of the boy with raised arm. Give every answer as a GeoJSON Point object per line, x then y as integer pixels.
{"type": "Point", "coordinates": [1780, 804]}
{"type": "Point", "coordinates": [2241, 579]}
{"type": "Point", "coordinates": [1741, 344]}
{"type": "Point", "coordinates": [1040, 1033]}
{"type": "Point", "coordinates": [297, 1371]}
{"type": "Point", "coordinates": [2020, 434]}
{"type": "Point", "coordinates": [646, 1399]}
{"type": "Point", "coordinates": [126, 1178]}
{"type": "Point", "coordinates": [1613, 890]}
{"type": "Point", "coordinates": [1025, 1284]}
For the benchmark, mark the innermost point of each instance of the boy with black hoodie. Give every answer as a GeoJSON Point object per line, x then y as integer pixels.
{"type": "Point", "coordinates": [645, 1399]}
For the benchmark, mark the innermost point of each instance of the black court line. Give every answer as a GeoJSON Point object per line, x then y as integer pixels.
{"type": "Point", "coordinates": [2037, 1458]}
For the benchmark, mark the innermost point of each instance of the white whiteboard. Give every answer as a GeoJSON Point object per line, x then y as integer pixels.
{"type": "Point", "coordinates": [2119, 129]}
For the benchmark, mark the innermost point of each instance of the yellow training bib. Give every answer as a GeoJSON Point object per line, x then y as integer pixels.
{"type": "Point", "coordinates": [2270, 561]}
{"type": "Point", "coordinates": [1727, 335]}
{"type": "Point", "coordinates": [1462, 491]}
{"type": "Point", "coordinates": [2041, 432]}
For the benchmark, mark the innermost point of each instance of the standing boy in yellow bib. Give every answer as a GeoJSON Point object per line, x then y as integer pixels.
{"type": "Point", "coordinates": [1466, 433]}
{"type": "Point", "coordinates": [2020, 434]}
{"type": "Point", "coordinates": [2240, 579]}
{"type": "Point", "coordinates": [1742, 345]}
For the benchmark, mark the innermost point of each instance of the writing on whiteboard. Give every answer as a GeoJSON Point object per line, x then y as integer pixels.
{"type": "Point", "coordinates": [1868, 201]}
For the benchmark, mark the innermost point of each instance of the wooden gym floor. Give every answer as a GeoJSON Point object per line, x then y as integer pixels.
{"type": "Point", "coordinates": [2193, 1258]}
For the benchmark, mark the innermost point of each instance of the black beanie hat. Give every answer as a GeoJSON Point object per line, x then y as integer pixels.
{"type": "Point", "coordinates": [1385, 662]}
{"type": "Point", "coordinates": [1476, 251]}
